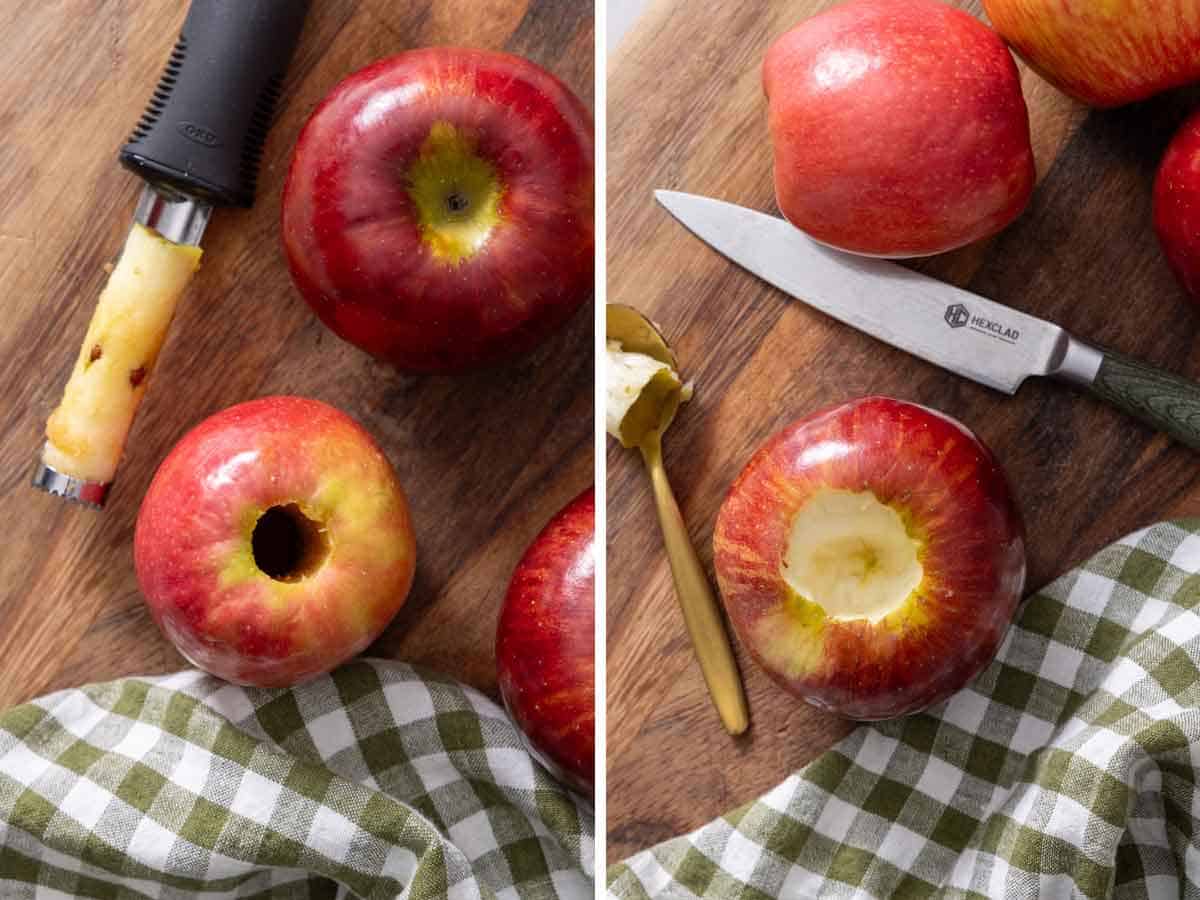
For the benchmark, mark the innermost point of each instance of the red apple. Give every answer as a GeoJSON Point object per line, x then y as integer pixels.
{"type": "Point", "coordinates": [870, 557]}
{"type": "Point", "coordinates": [545, 644]}
{"type": "Point", "coordinates": [899, 128]}
{"type": "Point", "coordinates": [274, 542]}
{"type": "Point", "coordinates": [1104, 53]}
{"type": "Point", "coordinates": [438, 208]}
{"type": "Point", "coordinates": [1177, 205]}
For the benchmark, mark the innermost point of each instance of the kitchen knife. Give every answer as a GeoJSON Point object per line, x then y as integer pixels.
{"type": "Point", "coordinates": [196, 147]}
{"type": "Point", "coordinates": [970, 335]}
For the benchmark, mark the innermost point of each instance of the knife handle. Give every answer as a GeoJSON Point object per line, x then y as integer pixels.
{"type": "Point", "coordinates": [1166, 402]}
{"type": "Point", "coordinates": [203, 130]}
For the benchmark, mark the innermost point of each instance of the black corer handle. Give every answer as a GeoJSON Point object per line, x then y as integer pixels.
{"type": "Point", "coordinates": [204, 128]}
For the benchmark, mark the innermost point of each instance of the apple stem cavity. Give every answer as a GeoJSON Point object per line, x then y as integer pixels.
{"type": "Point", "coordinates": [457, 193]}
{"type": "Point", "coordinates": [288, 545]}
{"type": "Point", "coordinates": [457, 203]}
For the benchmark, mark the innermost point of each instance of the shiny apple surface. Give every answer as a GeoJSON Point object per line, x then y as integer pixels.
{"type": "Point", "coordinates": [438, 210]}
{"type": "Point", "coordinates": [1177, 205]}
{"type": "Point", "coordinates": [1104, 53]}
{"type": "Point", "coordinates": [274, 542]}
{"type": "Point", "coordinates": [870, 557]}
{"type": "Point", "coordinates": [545, 643]}
{"type": "Point", "coordinates": [899, 128]}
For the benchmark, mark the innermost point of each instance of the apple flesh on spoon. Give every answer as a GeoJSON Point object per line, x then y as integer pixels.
{"type": "Point", "coordinates": [644, 391]}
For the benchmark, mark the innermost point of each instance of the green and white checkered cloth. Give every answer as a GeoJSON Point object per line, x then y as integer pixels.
{"type": "Point", "coordinates": [1068, 768]}
{"type": "Point", "coordinates": [378, 781]}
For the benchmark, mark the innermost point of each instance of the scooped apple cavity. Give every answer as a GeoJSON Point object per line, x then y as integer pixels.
{"type": "Point", "coordinates": [852, 556]}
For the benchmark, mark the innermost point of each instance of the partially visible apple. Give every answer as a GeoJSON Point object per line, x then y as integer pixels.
{"type": "Point", "coordinates": [438, 208]}
{"type": "Point", "coordinates": [1104, 53]}
{"type": "Point", "coordinates": [545, 644]}
{"type": "Point", "coordinates": [274, 542]}
{"type": "Point", "coordinates": [870, 557]}
{"type": "Point", "coordinates": [899, 128]}
{"type": "Point", "coordinates": [1177, 205]}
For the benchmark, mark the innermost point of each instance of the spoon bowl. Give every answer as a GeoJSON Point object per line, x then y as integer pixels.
{"type": "Point", "coordinates": [655, 407]}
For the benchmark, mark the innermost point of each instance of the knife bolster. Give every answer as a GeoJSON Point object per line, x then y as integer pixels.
{"type": "Point", "coordinates": [1075, 362]}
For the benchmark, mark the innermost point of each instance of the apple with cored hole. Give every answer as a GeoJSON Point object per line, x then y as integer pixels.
{"type": "Point", "coordinates": [1177, 205]}
{"type": "Point", "coordinates": [438, 208]}
{"type": "Point", "coordinates": [274, 542]}
{"type": "Point", "coordinates": [1104, 53]}
{"type": "Point", "coordinates": [545, 644]}
{"type": "Point", "coordinates": [870, 557]}
{"type": "Point", "coordinates": [899, 128]}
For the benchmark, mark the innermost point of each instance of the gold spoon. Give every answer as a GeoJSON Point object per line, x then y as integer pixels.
{"type": "Point", "coordinates": [642, 427]}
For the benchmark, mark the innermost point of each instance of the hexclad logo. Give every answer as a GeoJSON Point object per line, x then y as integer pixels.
{"type": "Point", "coordinates": [957, 315]}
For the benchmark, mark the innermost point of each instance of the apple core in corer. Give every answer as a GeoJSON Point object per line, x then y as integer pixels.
{"type": "Point", "coordinates": [851, 555]}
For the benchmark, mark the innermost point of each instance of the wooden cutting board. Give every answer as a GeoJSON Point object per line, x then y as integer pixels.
{"type": "Point", "coordinates": [485, 459]}
{"type": "Point", "coordinates": [685, 111]}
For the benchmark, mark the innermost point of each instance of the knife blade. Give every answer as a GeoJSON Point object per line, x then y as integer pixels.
{"type": "Point", "coordinates": [955, 329]}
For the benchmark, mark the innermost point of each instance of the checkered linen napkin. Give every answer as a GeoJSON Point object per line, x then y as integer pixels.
{"type": "Point", "coordinates": [378, 781]}
{"type": "Point", "coordinates": [1066, 769]}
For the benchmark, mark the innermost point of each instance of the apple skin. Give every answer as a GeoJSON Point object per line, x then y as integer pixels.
{"type": "Point", "coordinates": [947, 486]}
{"type": "Point", "coordinates": [899, 128]}
{"type": "Point", "coordinates": [1104, 54]}
{"type": "Point", "coordinates": [545, 644]}
{"type": "Point", "coordinates": [197, 567]}
{"type": "Point", "coordinates": [1177, 205]}
{"type": "Point", "coordinates": [396, 278]}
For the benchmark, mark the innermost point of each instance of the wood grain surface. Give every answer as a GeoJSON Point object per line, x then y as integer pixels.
{"type": "Point", "coordinates": [485, 459]}
{"type": "Point", "coordinates": [685, 112]}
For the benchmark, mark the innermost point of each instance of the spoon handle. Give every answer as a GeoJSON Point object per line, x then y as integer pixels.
{"type": "Point", "coordinates": [700, 613]}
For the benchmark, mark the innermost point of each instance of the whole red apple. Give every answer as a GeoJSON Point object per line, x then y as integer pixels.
{"type": "Point", "coordinates": [438, 208]}
{"type": "Point", "coordinates": [1177, 205]}
{"type": "Point", "coordinates": [870, 557]}
{"type": "Point", "coordinates": [274, 542]}
{"type": "Point", "coordinates": [545, 643]}
{"type": "Point", "coordinates": [899, 128]}
{"type": "Point", "coordinates": [1104, 54]}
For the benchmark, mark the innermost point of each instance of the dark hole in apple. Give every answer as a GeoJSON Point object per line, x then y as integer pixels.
{"type": "Point", "coordinates": [287, 544]}
{"type": "Point", "coordinates": [457, 202]}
